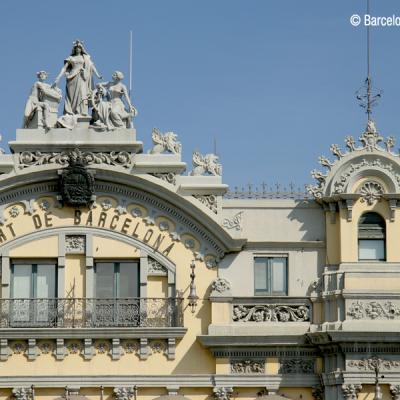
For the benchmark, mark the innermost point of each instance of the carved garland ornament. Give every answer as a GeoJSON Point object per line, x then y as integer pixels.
{"type": "Point", "coordinates": [75, 244]}
{"type": "Point", "coordinates": [210, 201]}
{"type": "Point", "coordinates": [370, 142]}
{"type": "Point", "coordinates": [234, 223]}
{"type": "Point", "coordinates": [270, 313]}
{"type": "Point", "coordinates": [395, 392]}
{"type": "Point", "coordinates": [222, 393]}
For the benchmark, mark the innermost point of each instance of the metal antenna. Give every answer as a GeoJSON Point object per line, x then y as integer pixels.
{"type": "Point", "coordinates": [130, 62]}
{"type": "Point", "coordinates": [215, 145]}
{"type": "Point", "coordinates": [365, 95]}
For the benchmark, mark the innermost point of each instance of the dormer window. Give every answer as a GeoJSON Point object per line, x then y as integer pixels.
{"type": "Point", "coordinates": [371, 237]}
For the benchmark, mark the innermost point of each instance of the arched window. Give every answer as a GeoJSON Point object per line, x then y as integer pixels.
{"type": "Point", "coordinates": [371, 237]}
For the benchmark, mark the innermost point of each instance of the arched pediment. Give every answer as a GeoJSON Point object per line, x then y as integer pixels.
{"type": "Point", "coordinates": [124, 201]}
{"type": "Point", "coordinates": [370, 166]}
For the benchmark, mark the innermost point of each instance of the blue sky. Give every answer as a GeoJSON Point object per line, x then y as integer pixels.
{"type": "Point", "coordinates": [273, 81]}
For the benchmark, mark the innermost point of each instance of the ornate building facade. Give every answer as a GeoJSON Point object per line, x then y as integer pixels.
{"type": "Point", "coordinates": [123, 277]}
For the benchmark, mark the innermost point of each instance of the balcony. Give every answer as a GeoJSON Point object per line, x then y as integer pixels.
{"type": "Point", "coordinates": [91, 313]}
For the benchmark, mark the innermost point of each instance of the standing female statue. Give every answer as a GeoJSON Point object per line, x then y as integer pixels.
{"type": "Point", "coordinates": [78, 70]}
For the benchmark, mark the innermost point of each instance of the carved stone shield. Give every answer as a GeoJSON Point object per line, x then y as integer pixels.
{"type": "Point", "coordinates": [77, 184]}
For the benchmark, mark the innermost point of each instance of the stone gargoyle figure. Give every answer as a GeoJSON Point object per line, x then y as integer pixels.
{"type": "Point", "coordinates": [78, 70]}
{"type": "Point", "coordinates": [113, 93]}
{"type": "Point", "coordinates": [42, 105]}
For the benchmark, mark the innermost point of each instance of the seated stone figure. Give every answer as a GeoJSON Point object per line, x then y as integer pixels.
{"type": "Point", "coordinates": [110, 111]}
{"type": "Point", "coordinates": [42, 105]}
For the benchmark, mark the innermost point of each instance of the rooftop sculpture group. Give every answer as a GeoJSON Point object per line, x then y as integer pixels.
{"type": "Point", "coordinates": [106, 105]}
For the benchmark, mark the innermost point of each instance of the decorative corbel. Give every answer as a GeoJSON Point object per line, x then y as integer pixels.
{"type": "Point", "coordinates": [350, 392]}
{"type": "Point", "coordinates": [393, 206]}
{"type": "Point", "coordinates": [348, 205]}
{"type": "Point", "coordinates": [395, 392]}
{"type": "Point", "coordinates": [332, 210]}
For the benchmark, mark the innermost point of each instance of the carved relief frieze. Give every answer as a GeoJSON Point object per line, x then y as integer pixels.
{"type": "Point", "coordinates": [243, 367]}
{"type": "Point", "coordinates": [113, 158]}
{"type": "Point", "coordinates": [296, 366]}
{"type": "Point", "coordinates": [373, 310]}
{"type": "Point", "coordinates": [220, 285]}
{"type": "Point", "coordinates": [271, 313]}
{"type": "Point", "coordinates": [370, 364]}
{"type": "Point", "coordinates": [168, 177]}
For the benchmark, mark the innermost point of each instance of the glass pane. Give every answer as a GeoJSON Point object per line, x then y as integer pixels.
{"type": "Point", "coordinates": [104, 280]}
{"type": "Point", "coordinates": [278, 270]}
{"type": "Point", "coordinates": [46, 281]}
{"type": "Point", "coordinates": [22, 281]}
{"type": "Point", "coordinates": [371, 249]}
{"type": "Point", "coordinates": [128, 280]}
{"type": "Point", "coordinates": [260, 275]}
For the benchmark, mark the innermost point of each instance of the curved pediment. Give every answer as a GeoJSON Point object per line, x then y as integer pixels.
{"type": "Point", "coordinates": [367, 169]}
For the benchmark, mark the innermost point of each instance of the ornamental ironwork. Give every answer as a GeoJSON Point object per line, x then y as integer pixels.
{"type": "Point", "coordinates": [271, 313]}
{"type": "Point", "coordinates": [91, 313]}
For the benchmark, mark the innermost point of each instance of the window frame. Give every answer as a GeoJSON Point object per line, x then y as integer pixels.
{"type": "Point", "coordinates": [33, 263]}
{"type": "Point", "coordinates": [116, 275]}
{"type": "Point", "coordinates": [269, 257]}
{"type": "Point", "coordinates": [364, 236]}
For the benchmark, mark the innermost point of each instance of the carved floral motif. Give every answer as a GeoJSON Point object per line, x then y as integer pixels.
{"type": "Point", "coordinates": [373, 310]}
{"type": "Point", "coordinates": [270, 313]}
{"type": "Point", "coordinates": [75, 244]}
{"type": "Point", "coordinates": [395, 392]}
{"type": "Point", "coordinates": [220, 285]}
{"type": "Point", "coordinates": [210, 201]}
{"type": "Point", "coordinates": [123, 393]}
{"type": "Point", "coordinates": [351, 391]}
{"type": "Point", "coordinates": [169, 177]}
{"type": "Point", "coordinates": [234, 223]}
{"type": "Point", "coordinates": [155, 268]}
{"type": "Point", "coordinates": [22, 393]}
{"type": "Point", "coordinates": [222, 393]}
{"type": "Point", "coordinates": [247, 367]}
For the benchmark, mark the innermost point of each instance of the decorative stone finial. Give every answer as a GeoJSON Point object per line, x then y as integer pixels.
{"type": "Point", "coordinates": [165, 142]}
{"type": "Point", "coordinates": [206, 164]}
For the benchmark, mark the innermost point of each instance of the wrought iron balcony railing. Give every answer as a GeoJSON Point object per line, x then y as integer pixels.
{"type": "Point", "coordinates": [91, 313]}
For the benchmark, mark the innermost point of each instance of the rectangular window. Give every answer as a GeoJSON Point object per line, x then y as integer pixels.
{"type": "Point", "coordinates": [116, 279]}
{"type": "Point", "coordinates": [33, 293]}
{"type": "Point", "coordinates": [117, 292]}
{"type": "Point", "coordinates": [270, 275]}
{"type": "Point", "coordinates": [371, 249]}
